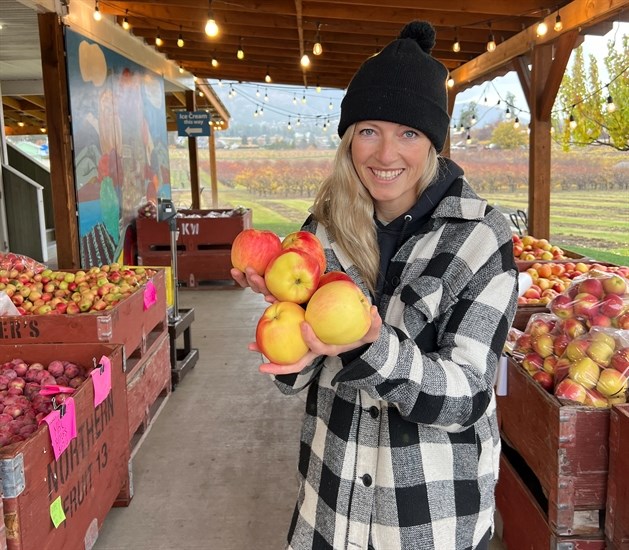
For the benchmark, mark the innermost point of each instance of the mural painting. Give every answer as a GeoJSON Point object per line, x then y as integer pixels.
{"type": "Point", "coordinates": [120, 144]}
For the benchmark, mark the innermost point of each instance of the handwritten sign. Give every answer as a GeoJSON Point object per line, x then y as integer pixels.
{"type": "Point", "coordinates": [150, 295]}
{"type": "Point", "coordinates": [62, 426]}
{"type": "Point", "coordinates": [57, 515]}
{"type": "Point", "coordinates": [101, 379]}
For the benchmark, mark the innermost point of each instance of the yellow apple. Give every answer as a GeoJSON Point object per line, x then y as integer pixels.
{"type": "Point", "coordinates": [292, 276]}
{"type": "Point", "coordinates": [254, 248]}
{"type": "Point", "coordinates": [307, 242]}
{"type": "Point", "coordinates": [278, 333]}
{"type": "Point", "coordinates": [338, 313]}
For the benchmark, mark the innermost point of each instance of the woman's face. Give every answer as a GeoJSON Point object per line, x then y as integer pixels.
{"type": "Point", "coordinates": [389, 159]}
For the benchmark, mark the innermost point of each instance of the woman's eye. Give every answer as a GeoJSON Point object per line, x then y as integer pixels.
{"type": "Point", "coordinates": [410, 134]}
{"type": "Point", "coordinates": [367, 131]}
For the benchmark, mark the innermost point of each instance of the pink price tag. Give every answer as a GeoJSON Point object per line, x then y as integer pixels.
{"type": "Point", "coordinates": [150, 295]}
{"type": "Point", "coordinates": [101, 379]}
{"type": "Point", "coordinates": [62, 427]}
{"type": "Point", "coordinates": [53, 389]}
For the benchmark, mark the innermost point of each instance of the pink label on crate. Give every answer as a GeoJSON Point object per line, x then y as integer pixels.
{"type": "Point", "coordinates": [150, 295]}
{"type": "Point", "coordinates": [101, 379]}
{"type": "Point", "coordinates": [53, 389]}
{"type": "Point", "coordinates": [62, 426]}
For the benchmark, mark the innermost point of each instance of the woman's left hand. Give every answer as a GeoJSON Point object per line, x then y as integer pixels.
{"type": "Point", "coordinates": [317, 347]}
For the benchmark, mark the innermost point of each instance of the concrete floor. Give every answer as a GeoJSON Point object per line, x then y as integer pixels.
{"type": "Point", "coordinates": [217, 470]}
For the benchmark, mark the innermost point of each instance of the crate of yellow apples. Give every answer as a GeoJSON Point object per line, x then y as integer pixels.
{"type": "Point", "coordinates": [294, 271]}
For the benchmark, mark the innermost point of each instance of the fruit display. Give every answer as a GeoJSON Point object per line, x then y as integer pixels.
{"type": "Point", "coordinates": [148, 211]}
{"type": "Point", "coordinates": [529, 248]}
{"type": "Point", "coordinates": [28, 393]}
{"type": "Point", "coordinates": [294, 273]}
{"type": "Point", "coordinates": [51, 292]}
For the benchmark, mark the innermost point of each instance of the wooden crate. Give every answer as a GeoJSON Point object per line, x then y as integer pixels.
{"type": "Point", "coordinates": [566, 447]}
{"type": "Point", "coordinates": [525, 522]}
{"type": "Point", "coordinates": [617, 516]}
{"type": "Point", "coordinates": [87, 476]}
{"type": "Point", "coordinates": [3, 529]}
{"type": "Point", "coordinates": [523, 314]}
{"type": "Point", "coordinates": [128, 323]}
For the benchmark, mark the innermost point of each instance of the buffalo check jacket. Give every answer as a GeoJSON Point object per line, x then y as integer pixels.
{"type": "Point", "coordinates": [400, 444]}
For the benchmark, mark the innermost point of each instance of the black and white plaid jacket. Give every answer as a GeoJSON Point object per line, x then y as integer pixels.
{"type": "Point", "coordinates": [400, 446]}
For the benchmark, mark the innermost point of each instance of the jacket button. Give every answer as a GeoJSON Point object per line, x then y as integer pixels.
{"type": "Point", "coordinates": [395, 280]}
{"type": "Point", "coordinates": [367, 480]}
{"type": "Point", "coordinates": [374, 411]}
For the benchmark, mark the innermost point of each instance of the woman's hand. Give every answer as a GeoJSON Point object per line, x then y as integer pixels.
{"type": "Point", "coordinates": [254, 281]}
{"type": "Point", "coordinates": [317, 347]}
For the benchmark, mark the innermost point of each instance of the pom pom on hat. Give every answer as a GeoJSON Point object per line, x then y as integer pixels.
{"type": "Point", "coordinates": [404, 84]}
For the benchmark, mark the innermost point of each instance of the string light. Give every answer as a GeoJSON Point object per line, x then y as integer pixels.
{"type": "Point", "coordinates": [97, 14]}
{"type": "Point", "coordinates": [180, 68]}
{"type": "Point", "coordinates": [158, 39]}
{"type": "Point", "coordinates": [516, 123]}
{"type": "Point", "coordinates": [473, 119]}
{"type": "Point", "coordinates": [318, 88]}
{"type": "Point", "coordinates": [180, 42]}
{"type": "Point", "coordinates": [450, 82]}
{"type": "Point", "coordinates": [267, 76]}
{"type": "Point", "coordinates": [558, 24]}
{"type": "Point", "coordinates": [240, 54]}
{"type": "Point", "coordinates": [508, 113]}
{"type": "Point", "coordinates": [305, 61]}
{"type": "Point", "coordinates": [468, 139]}
{"type": "Point", "coordinates": [491, 42]}
{"type": "Point", "coordinates": [214, 61]}
{"type": "Point", "coordinates": [125, 22]}
{"type": "Point", "coordinates": [294, 100]}
{"type": "Point", "coordinates": [290, 127]}
{"type": "Point", "coordinates": [317, 49]}
{"type": "Point", "coordinates": [611, 107]}
{"type": "Point", "coordinates": [456, 47]}
{"type": "Point", "coordinates": [303, 98]}
{"type": "Point", "coordinates": [211, 28]}
{"type": "Point", "coordinates": [572, 121]}
{"type": "Point", "coordinates": [542, 28]}
{"type": "Point", "coordinates": [330, 106]}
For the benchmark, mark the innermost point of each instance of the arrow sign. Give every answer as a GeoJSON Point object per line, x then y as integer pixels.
{"type": "Point", "coordinates": [193, 123]}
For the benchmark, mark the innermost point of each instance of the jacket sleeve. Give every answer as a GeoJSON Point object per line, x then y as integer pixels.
{"type": "Point", "coordinates": [291, 384]}
{"type": "Point", "coordinates": [451, 385]}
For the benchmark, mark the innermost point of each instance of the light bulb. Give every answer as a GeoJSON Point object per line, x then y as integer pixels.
{"type": "Point", "coordinates": [305, 60]}
{"type": "Point", "coordinates": [214, 62]}
{"type": "Point", "coordinates": [508, 113]}
{"type": "Point", "coordinates": [573, 122]}
{"type": "Point", "coordinates": [473, 119]}
{"type": "Point", "coordinates": [330, 106]}
{"type": "Point", "coordinates": [97, 15]}
{"type": "Point", "coordinates": [542, 28]}
{"type": "Point", "coordinates": [611, 107]}
{"type": "Point", "coordinates": [516, 123]}
{"type": "Point", "coordinates": [294, 100]}
{"type": "Point", "coordinates": [318, 88]}
{"type": "Point", "coordinates": [468, 139]}
{"type": "Point", "coordinates": [450, 82]}
{"type": "Point", "coordinates": [159, 41]}
{"type": "Point", "coordinates": [491, 44]}
{"type": "Point", "coordinates": [180, 42]}
{"type": "Point", "coordinates": [21, 124]}
{"type": "Point", "coordinates": [125, 22]}
{"type": "Point", "coordinates": [317, 49]}
{"type": "Point", "coordinates": [43, 129]}
{"type": "Point", "coordinates": [240, 54]}
{"type": "Point", "coordinates": [558, 24]}
{"type": "Point", "coordinates": [456, 47]}
{"type": "Point", "coordinates": [180, 68]}
{"type": "Point", "coordinates": [303, 98]}
{"type": "Point", "coordinates": [211, 28]}
{"type": "Point", "coordinates": [267, 77]}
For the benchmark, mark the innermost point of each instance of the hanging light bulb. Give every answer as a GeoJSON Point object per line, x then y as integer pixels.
{"type": "Point", "coordinates": [97, 14]}
{"type": "Point", "coordinates": [201, 94]}
{"type": "Point", "coordinates": [266, 96]}
{"type": "Point", "coordinates": [318, 88]}
{"type": "Point", "coordinates": [214, 62]}
{"type": "Point", "coordinates": [220, 82]}
{"type": "Point", "coordinates": [558, 24]}
{"type": "Point", "coordinates": [473, 118]}
{"type": "Point", "coordinates": [450, 82]}
{"type": "Point", "coordinates": [299, 122]}
{"type": "Point", "coordinates": [572, 121]}
{"type": "Point", "coordinates": [491, 41]}
{"type": "Point", "coordinates": [125, 22]}
{"type": "Point", "coordinates": [257, 92]}
{"type": "Point", "coordinates": [267, 76]}
{"type": "Point", "coordinates": [305, 60]}
{"type": "Point", "coordinates": [180, 68]}
{"type": "Point", "coordinates": [317, 49]}
{"type": "Point", "coordinates": [21, 123]}
{"type": "Point", "coordinates": [261, 110]}
{"type": "Point", "coordinates": [256, 113]}
{"type": "Point", "coordinates": [211, 28]}
{"type": "Point", "coordinates": [508, 113]}
{"type": "Point", "coordinates": [611, 107]}
{"type": "Point", "coordinates": [303, 98]}
{"type": "Point", "coordinates": [542, 28]}
{"type": "Point", "coordinates": [240, 54]}
{"type": "Point", "coordinates": [468, 139]}
{"type": "Point", "coordinates": [456, 47]}
{"type": "Point", "coordinates": [294, 100]}
{"type": "Point", "coordinates": [158, 39]}
{"type": "Point", "coordinates": [289, 124]}
{"type": "Point", "coordinates": [516, 123]}
{"type": "Point", "coordinates": [330, 106]}
{"type": "Point", "coordinates": [43, 129]}
{"type": "Point", "coordinates": [180, 42]}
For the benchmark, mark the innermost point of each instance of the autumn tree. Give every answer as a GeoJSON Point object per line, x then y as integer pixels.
{"type": "Point", "coordinates": [591, 111]}
{"type": "Point", "coordinates": [507, 136]}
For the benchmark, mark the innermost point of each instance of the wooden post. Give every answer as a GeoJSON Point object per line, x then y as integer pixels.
{"type": "Point", "coordinates": [212, 147]}
{"type": "Point", "coordinates": [446, 146]}
{"type": "Point", "coordinates": [192, 153]}
{"type": "Point", "coordinates": [59, 140]}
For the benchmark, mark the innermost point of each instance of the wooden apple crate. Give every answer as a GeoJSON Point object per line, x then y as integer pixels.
{"type": "Point", "coordinates": [128, 323]}
{"type": "Point", "coordinates": [87, 476]}
{"type": "Point", "coordinates": [523, 314]}
{"type": "Point", "coordinates": [617, 516]}
{"type": "Point", "coordinates": [524, 520]}
{"type": "Point", "coordinates": [203, 245]}
{"type": "Point", "coordinates": [148, 389]}
{"type": "Point", "coordinates": [566, 448]}
{"type": "Point", "coordinates": [3, 529]}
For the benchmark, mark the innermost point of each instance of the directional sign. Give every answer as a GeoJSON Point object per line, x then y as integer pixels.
{"type": "Point", "coordinates": [193, 123]}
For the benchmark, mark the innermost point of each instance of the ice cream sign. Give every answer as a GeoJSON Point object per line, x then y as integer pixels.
{"type": "Point", "coordinates": [193, 123]}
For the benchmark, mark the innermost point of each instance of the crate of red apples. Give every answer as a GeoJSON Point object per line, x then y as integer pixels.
{"type": "Point", "coordinates": [64, 443]}
{"type": "Point", "coordinates": [108, 303]}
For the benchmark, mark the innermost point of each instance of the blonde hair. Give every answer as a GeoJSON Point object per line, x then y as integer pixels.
{"type": "Point", "coordinates": [345, 207]}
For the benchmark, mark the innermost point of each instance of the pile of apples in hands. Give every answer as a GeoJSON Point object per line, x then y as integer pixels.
{"type": "Point", "coordinates": [580, 351]}
{"type": "Point", "coordinates": [27, 391]}
{"type": "Point", "coordinates": [294, 273]}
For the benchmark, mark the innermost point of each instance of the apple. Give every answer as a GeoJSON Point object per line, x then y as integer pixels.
{"type": "Point", "coordinates": [309, 243]}
{"type": "Point", "coordinates": [543, 344]}
{"type": "Point", "coordinates": [584, 371]}
{"type": "Point", "coordinates": [334, 276]}
{"type": "Point", "coordinates": [594, 398]}
{"type": "Point", "coordinates": [622, 321]}
{"type": "Point", "coordinates": [562, 307]}
{"type": "Point", "coordinates": [614, 285]}
{"type": "Point", "coordinates": [278, 333]}
{"type": "Point", "coordinates": [591, 286]}
{"type": "Point", "coordinates": [585, 305]}
{"type": "Point", "coordinates": [550, 363]}
{"type": "Point", "coordinates": [254, 248]}
{"type": "Point", "coordinates": [339, 313]}
{"type": "Point", "coordinates": [576, 349]}
{"type": "Point", "coordinates": [539, 325]}
{"type": "Point", "coordinates": [560, 344]}
{"type": "Point", "coordinates": [600, 352]}
{"type": "Point", "coordinates": [599, 320]}
{"type": "Point", "coordinates": [569, 389]}
{"type": "Point", "coordinates": [532, 362]}
{"type": "Point", "coordinates": [292, 276]}
{"type": "Point", "coordinates": [573, 327]}
{"type": "Point", "coordinates": [620, 360]}
{"type": "Point", "coordinates": [523, 342]}
{"type": "Point", "coordinates": [544, 379]}
{"type": "Point", "coordinates": [612, 305]}
{"type": "Point", "coordinates": [611, 382]}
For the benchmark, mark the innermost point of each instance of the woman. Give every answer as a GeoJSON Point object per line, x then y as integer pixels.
{"type": "Point", "coordinates": [400, 444]}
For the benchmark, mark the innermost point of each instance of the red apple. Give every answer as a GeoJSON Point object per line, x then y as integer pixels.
{"type": "Point", "coordinates": [278, 333]}
{"type": "Point", "coordinates": [339, 313]}
{"type": "Point", "coordinates": [571, 390]}
{"type": "Point", "coordinates": [562, 306]}
{"type": "Point", "coordinates": [576, 349]}
{"type": "Point", "coordinates": [307, 242]}
{"type": "Point", "coordinates": [573, 327]}
{"type": "Point", "coordinates": [594, 398]}
{"type": "Point", "coordinates": [591, 286]}
{"type": "Point", "coordinates": [523, 343]}
{"type": "Point", "coordinates": [622, 321]}
{"type": "Point", "coordinates": [611, 382]}
{"type": "Point", "coordinates": [532, 362]}
{"type": "Point", "coordinates": [614, 285]}
{"type": "Point", "coordinates": [539, 324]}
{"type": "Point", "coordinates": [600, 352]}
{"type": "Point", "coordinates": [543, 344]}
{"type": "Point", "coordinates": [612, 305]}
{"type": "Point", "coordinates": [560, 344]}
{"type": "Point", "coordinates": [620, 360]}
{"type": "Point", "coordinates": [544, 379]}
{"type": "Point", "coordinates": [585, 371]}
{"type": "Point", "coordinates": [550, 364]}
{"type": "Point", "coordinates": [334, 276]}
{"type": "Point", "coordinates": [292, 276]}
{"type": "Point", "coordinates": [254, 248]}
{"type": "Point", "coordinates": [585, 305]}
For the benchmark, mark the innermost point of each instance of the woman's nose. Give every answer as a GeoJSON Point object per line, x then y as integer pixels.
{"type": "Point", "coordinates": [387, 150]}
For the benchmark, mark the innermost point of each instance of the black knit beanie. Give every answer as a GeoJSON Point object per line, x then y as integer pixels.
{"type": "Point", "coordinates": [404, 84]}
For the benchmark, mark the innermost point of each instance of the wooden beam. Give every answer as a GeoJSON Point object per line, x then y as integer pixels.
{"type": "Point", "coordinates": [521, 66]}
{"type": "Point", "coordinates": [59, 140]}
{"type": "Point", "coordinates": [300, 34]}
{"type": "Point", "coordinates": [213, 176]}
{"type": "Point", "coordinates": [574, 16]}
{"type": "Point", "coordinates": [192, 154]}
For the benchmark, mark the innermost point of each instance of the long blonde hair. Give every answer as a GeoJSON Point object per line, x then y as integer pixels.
{"type": "Point", "coordinates": [345, 207]}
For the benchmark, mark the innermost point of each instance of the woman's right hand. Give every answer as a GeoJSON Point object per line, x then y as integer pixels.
{"type": "Point", "coordinates": [255, 282]}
